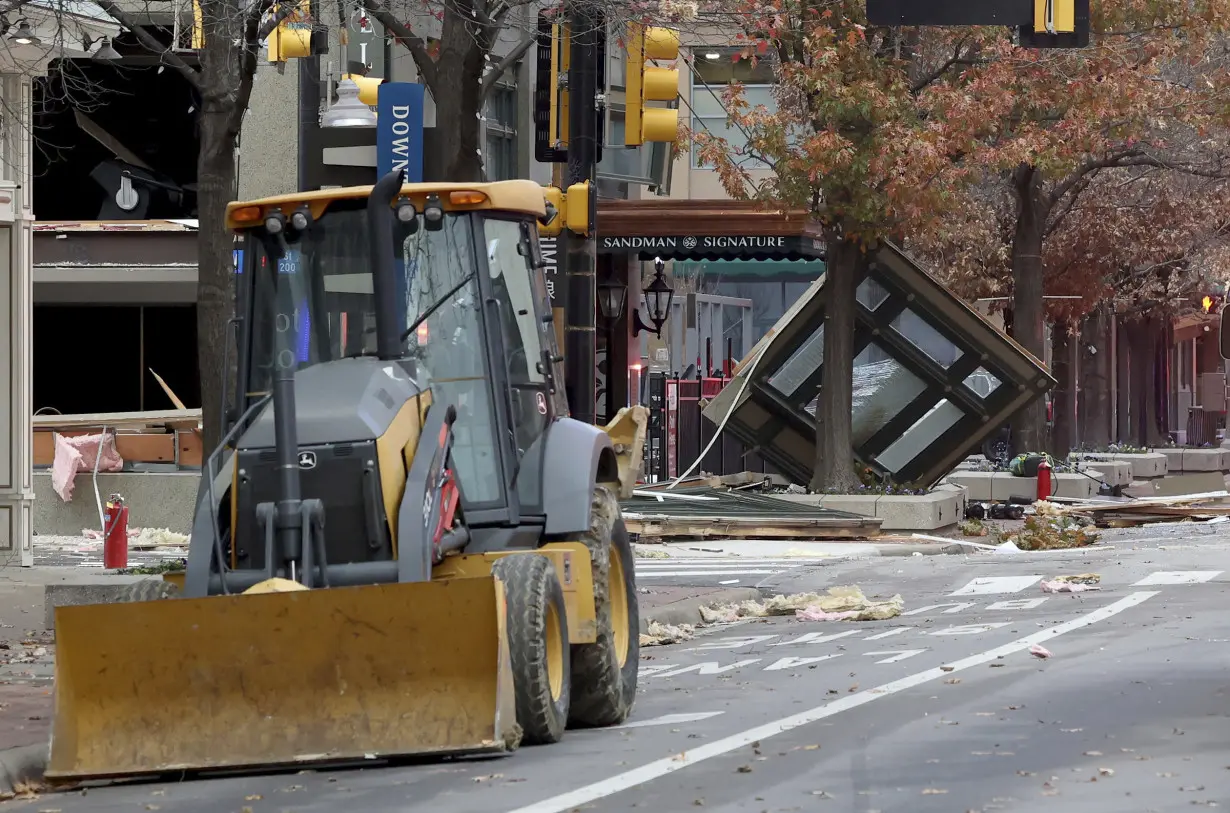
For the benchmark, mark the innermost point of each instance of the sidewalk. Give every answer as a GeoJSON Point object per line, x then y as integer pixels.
{"type": "Point", "coordinates": [25, 657]}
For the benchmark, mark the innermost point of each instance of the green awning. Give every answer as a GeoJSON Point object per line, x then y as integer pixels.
{"type": "Point", "coordinates": [752, 270]}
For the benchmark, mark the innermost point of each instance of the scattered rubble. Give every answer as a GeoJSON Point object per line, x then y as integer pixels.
{"type": "Point", "coordinates": [1039, 651]}
{"type": "Point", "coordinates": [145, 538]}
{"type": "Point", "coordinates": [839, 604]}
{"type": "Point", "coordinates": [1127, 512]}
{"type": "Point", "coordinates": [662, 634]}
{"type": "Point", "coordinates": [1072, 584]}
{"type": "Point", "coordinates": [649, 552]}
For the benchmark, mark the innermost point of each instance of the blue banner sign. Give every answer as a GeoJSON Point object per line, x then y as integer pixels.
{"type": "Point", "coordinates": [399, 129]}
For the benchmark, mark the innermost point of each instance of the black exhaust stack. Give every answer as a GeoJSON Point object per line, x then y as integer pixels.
{"type": "Point", "coordinates": [384, 284]}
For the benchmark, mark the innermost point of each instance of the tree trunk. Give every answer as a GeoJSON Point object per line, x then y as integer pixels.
{"type": "Point", "coordinates": [1095, 379]}
{"type": "Point", "coordinates": [455, 153]}
{"type": "Point", "coordinates": [1123, 383]}
{"type": "Point", "coordinates": [221, 90]}
{"type": "Point", "coordinates": [214, 298]}
{"type": "Point", "coordinates": [834, 459]}
{"type": "Point", "coordinates": [1143, 338]}
{"type": "Point", "coordinates": [1028, 311]}
{"type": "Point", "coordinates": [1065, 393]}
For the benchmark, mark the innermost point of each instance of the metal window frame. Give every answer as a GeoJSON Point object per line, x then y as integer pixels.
{"type": "Point", "coordinates": [781, 429]}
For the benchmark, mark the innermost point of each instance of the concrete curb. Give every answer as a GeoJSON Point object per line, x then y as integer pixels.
{"type": "Point", "coordinates": [925, 548]}
{"type": "Point", "coordinates": [21, 768]}
{"type": "Point", "coordinates": [687, 610]}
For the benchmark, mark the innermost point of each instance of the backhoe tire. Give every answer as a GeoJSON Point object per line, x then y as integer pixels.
{"type": "Point", "coordinates": [149, 590]}
{"type": "Point", "coordinates": [604, 673]}
{"type": "Point", "coordinates": [537, 622]}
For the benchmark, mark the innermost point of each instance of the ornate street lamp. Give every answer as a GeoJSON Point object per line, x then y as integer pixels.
{"type": "Point", "coordinates": [658, 296]}
{"type": "Point", "coordinates": [612, 295]}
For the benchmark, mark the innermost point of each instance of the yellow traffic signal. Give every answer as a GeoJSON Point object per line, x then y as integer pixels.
{"type": "Point", "coordinates": [648, 83]}
{"type": "Point", "coordinates": [557, 209]}
{"type": "Point", "coordinates": [369, 87]}
{"type": "Point", "coordinates": [292, 39]}
{"type": "Point", "coordinates": [1054, 16]}
{"type": "Point", "coordinates": [579, 208]}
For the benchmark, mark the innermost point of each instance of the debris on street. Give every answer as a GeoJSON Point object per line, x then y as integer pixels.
{"type": "Point", "coordinates": [737, 506]}
{"type": "Point", "coordinates": [1039, 651]}
{"type": "Point", "coordinates": [145, 538]}
{"type": "Point", "coordinates": [661, 634]}
{"type": "Point", "coordinates": [649, 552]}
{"type": "Point", "coordinates": [839, 604]}
{"type": "Point", "coordinates": [1050, 528]}
{"type": "Point", "coordinates": [1128, 512]}
{"type": "Point", "coordinates": [1072, 584]}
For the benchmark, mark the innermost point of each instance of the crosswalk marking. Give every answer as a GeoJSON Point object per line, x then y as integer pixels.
{"type": "Point", "coordinates": [721, 568]}
{"type": "Point", "coordinates": [988, 585]}
{"type": "Point", "coordinates": [887, 634]}
{"type": "Point", "coordinates": [1163, 577]}
{"type": "Point", "coordinates": [896, 655]}
{"type": "Point", "coordinates": [954, 607]}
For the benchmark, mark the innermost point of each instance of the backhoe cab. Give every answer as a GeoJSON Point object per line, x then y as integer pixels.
{"type": "Point", "coordinates": [403, 545]}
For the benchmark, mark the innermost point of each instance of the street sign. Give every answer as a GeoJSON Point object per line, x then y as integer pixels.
{"type": "Point", "coordinates": [399, 130]}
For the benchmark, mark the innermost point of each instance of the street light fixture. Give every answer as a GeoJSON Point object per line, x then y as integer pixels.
{"type": "Point", "coordinates": [658, 297]}
{"type": "Point", "coordinates": [612, 295]}
{"type": "Point", "coordinates": [106, 53]}
{"type": "Point", "coordinates": [348, 111]}
{"type": "Point", "coordinates": [24, 35]}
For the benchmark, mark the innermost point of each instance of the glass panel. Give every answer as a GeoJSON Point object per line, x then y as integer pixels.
{"type": "Point", "coordinates": [882, 387]}
{"type": "Point", "coordinates": [926, 338]}
{"type": "Point", "coordinates": [449, 349]}
{"type": "Point", "coordinates": [720, 65]}
{"type": "Point", "coordinates": [732, 331]}
{"type": "Point", "coordinates": [710, 101]}
{"type": "Point", "coordinates": [871, 294]}
{"type": "Point", "coordinates": [802, 363]}
{"type": "Point", "coordinates": [523, 330]}
{"type": "Point", "coordinates": [982, 383]}
{"type": "Point", "coordinates": [942, 417]}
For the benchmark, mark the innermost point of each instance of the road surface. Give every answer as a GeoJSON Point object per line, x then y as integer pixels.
{"type": "Point", "coordinates": [943, 709]}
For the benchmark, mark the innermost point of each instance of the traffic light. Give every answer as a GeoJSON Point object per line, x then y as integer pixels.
{"type": "Point", "coordinates": [1057, 24]}
{"type": "Point", "coordinates": [580, 207]}
{"type": "Point", "coordinates": [648, 83]}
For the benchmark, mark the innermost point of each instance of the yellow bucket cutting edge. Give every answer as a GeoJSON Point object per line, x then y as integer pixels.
{"type": "Point", "coordinates": [282, 678]}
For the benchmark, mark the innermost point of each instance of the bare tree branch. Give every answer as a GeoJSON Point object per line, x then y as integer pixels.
{"type": "Point", "coordinates": [154, 46]}
{"type": "Point", "coordinates": [504, 64]}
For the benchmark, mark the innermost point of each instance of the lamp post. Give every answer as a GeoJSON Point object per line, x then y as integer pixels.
{"type": "Point", "coordinates": [349, 111]}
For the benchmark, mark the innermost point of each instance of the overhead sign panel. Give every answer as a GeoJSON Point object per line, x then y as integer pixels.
{"type": "Point", "coordinates": [951, 12]}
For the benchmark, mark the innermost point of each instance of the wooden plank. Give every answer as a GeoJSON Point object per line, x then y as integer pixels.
{"type": "Point", "coordinates": [752, 529]}
{"type": "Point", "coordinates": [178, 418]}
{"type": "Point", "coordinates": [144, 447]}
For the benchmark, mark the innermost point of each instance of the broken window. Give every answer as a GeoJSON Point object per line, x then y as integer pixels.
{"type": "Point", "coordinates": [115, 140]}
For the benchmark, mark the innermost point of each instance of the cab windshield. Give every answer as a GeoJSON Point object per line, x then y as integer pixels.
{"type": "Point", "coordinates": [323, 294]}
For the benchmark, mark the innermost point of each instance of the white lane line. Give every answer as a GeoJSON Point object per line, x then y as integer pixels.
{"type": "Point", "coordinates": [661, 767]}
{"type": "Point", "coordinates": [888, 634]}
{"type": "Point", "coordinates": [660, 574]}
{"type": "Point", "coordinates": [794, 663]}
{"type": "Point", "coordinates": [953, 607]}
{"type": "Point", "coordinates": [1163, 577]}
{"type": "Point", "coordinates": [897, 655]}
{"type": "Point", "coordinates": [989, 585]}
{"type": "Point", "coordinates": [671, 719]}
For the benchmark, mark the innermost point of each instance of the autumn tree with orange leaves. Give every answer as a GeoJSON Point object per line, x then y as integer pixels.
{"type": "Point", "coordinates": [884, 133]}
{"type": "Point", "coordinates": [1147, 93]}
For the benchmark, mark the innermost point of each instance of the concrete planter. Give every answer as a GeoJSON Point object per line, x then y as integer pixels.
{"type": "Point", "coordinates": [904, 512]}
{"type": "Point", "coordinates": [999, 486]}
{"type": "Point", "coordinates": [1145, 466]}
{"type": "Point", "coordinates": [1195, 460]}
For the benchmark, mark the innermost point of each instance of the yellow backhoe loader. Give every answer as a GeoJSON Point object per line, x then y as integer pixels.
{"type": "Point", "coordinates": [403, 546]}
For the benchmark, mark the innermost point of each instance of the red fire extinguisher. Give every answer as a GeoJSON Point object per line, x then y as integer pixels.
{"type": "Point", "coordinates": [1044, 481]}
{"type": "Point", "coordinates": [115, 533]}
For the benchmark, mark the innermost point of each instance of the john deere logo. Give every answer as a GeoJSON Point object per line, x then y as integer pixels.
{"type": "Point", "coordinates": [307, 460]}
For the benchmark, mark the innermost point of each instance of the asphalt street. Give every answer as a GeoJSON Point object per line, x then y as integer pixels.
{"type": "Point", "coordinates": [942, 709]}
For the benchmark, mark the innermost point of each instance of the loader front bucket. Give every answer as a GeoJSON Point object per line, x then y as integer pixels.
{"type": "Point", "coordinates": [282, 678]}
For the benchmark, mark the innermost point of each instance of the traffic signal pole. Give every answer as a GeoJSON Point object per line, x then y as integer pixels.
{"type": "Point", "coordinates": [586, 25]}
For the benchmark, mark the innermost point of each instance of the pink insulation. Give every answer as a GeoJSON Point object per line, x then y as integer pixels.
{"type": "Point", "coordinates": [77, 454]}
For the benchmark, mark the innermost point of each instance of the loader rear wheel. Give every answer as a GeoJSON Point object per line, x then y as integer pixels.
{"type": "Point", "coordinates": [538, 643]}
{"type": "Point", "coordinates": [604, 673]}
{"type": "Point", "coordinates": [149, 590]}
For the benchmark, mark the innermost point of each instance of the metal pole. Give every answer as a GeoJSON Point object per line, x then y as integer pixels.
{"type": "Point", "coordinates": [581, 254]}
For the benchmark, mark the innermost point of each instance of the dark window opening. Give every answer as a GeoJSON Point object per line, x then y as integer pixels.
{"type": "Point", "coordinates": [137, 340]}
{"type": "Point", "coordinates": [114, 140]}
